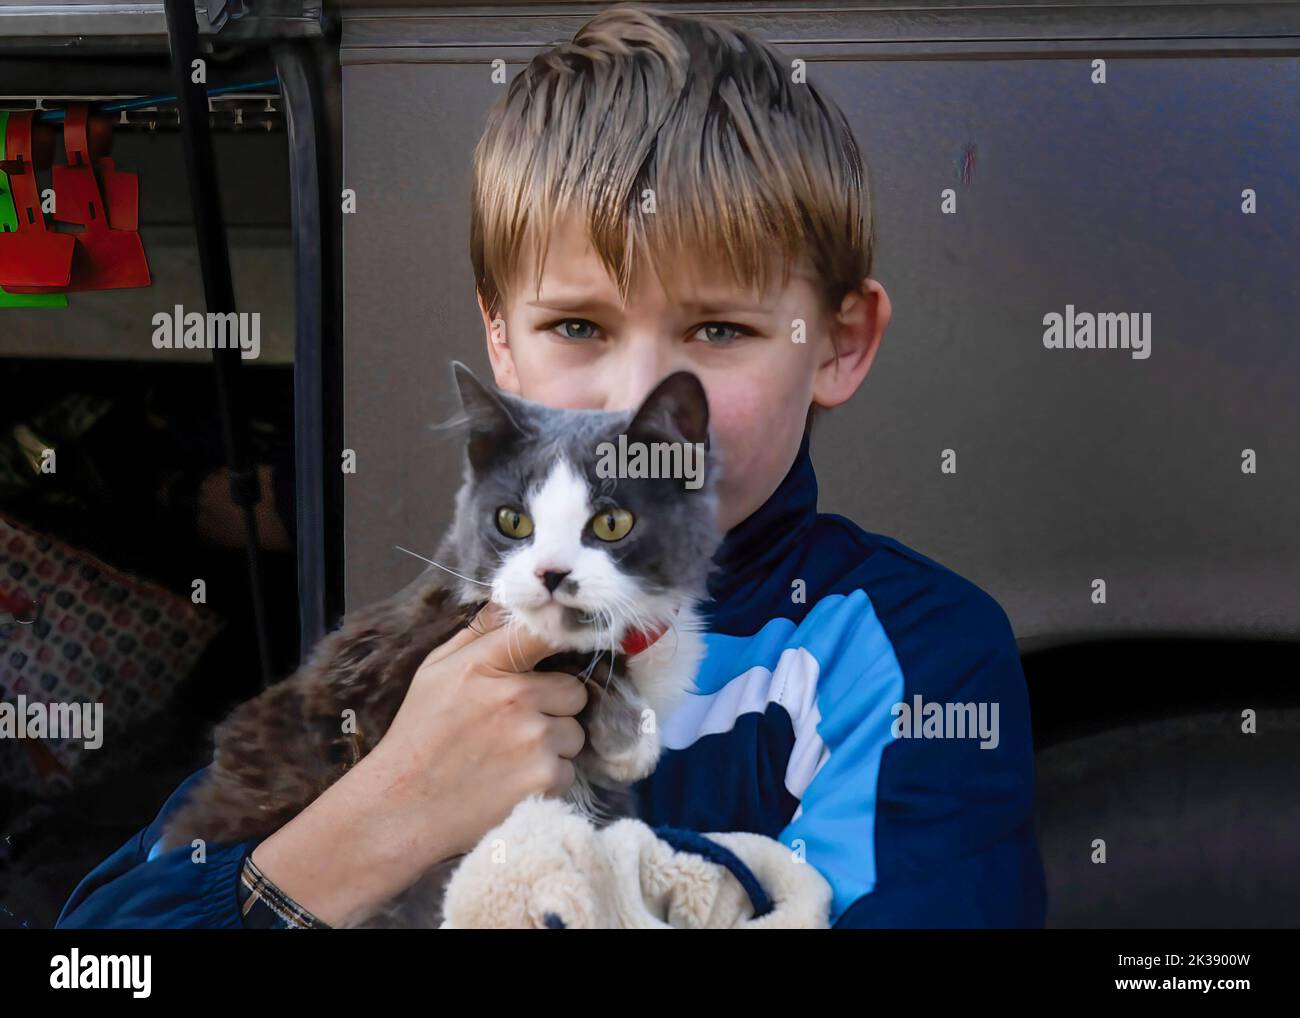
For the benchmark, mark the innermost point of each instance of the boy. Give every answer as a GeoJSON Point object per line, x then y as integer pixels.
{"type": "Point", "coordinates": [664, 143]}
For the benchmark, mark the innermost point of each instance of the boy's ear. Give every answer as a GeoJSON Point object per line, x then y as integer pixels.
{"type": "Point", "coordinates": [677, 410]}
{"type": "Point", "coordinates": [499, 353]}
{"type": "Point", "coordinates": [492, 428]}
{"type": "Point", "coordinates": [856, 333]}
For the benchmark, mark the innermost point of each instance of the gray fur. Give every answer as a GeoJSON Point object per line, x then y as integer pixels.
{"type": "Point", "coordinates": [671, 554]}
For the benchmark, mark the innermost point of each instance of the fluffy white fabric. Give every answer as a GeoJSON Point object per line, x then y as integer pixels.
{"type": "Point", "coordinates": [547, 861]}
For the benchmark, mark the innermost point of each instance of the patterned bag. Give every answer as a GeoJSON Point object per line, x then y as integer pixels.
{"type": "Point", "coordinates": [74, 630]}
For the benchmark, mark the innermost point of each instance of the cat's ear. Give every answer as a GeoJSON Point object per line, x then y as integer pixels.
{"type": "Point", "coordinates": [492, 428]}
{"type": "Point", "coordinates": [677, 410]}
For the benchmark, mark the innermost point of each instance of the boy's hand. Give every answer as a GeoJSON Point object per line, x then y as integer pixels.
{"type": "Point", "coordinates": [477, 733]}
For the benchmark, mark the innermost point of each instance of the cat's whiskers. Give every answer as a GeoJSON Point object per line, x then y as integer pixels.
{"type": "Point", "coordinates": [512, 633]}
{"type": "Point", "coordinates": [431, 562]}
{"type": "Point", "coordinates": [609, 678]}
{"type": "Point", "coordinates": [628, 607]}
{"type": "Point", "coordinates": [594, 621]}
{"type": "Point", "coordinates": [612, 661]}
{"type": "Point", "coordinates": [598, 621]}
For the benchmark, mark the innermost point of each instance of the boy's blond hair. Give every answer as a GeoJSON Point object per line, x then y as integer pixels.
{"type": "Point", "coordinates": [744, 163]}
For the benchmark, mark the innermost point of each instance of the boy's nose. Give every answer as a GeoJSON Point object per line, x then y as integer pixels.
{"type": "Point", "coordinates": [639, 373]}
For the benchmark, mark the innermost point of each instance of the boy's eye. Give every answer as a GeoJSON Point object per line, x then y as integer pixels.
{"type": "Point", "coordinates": [715, 333]}
{"type": "Point", "coordinates": [612, 524]}
{"type": "Point", "coordinates": [514, 522]}
{"type": "Point", "coordinates": [563, 327]}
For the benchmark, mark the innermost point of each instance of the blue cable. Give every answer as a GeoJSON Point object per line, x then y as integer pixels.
{"type": "Point", "coordinates": [161, 100]}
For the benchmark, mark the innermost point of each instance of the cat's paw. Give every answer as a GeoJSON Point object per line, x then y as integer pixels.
{"type": "Point", "coordinates": [634, 762]}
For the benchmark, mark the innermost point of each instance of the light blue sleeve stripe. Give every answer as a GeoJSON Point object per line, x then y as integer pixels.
{"type": "Point", "coordinates": [729, 657]}
{"type": "Point", "coordinates": [859, 683]}
{"type": "Point", "coordinates": [155, 851]}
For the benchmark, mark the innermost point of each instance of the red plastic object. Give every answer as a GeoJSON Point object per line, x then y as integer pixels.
{"type": "Point", "coordinates": [99, 132]}
{"type": "Point", "coordinates": [121, 195]}
{"type": "Point", "coordinates": [105, 259]}
{"type": "Point", "coordinates": [33, 260]}
{"type": "Point", "coordinates": [121, 189]}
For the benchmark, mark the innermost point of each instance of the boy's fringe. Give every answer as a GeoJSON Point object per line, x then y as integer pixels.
{"type": "Point", "coordinates": [747, 168]}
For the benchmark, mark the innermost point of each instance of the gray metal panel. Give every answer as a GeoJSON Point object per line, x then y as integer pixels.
{"type": "Point", "coordinates": [833, 30]}
{"type": "Point", "coordinates": [1077, 464]}
{"type": "Point", "coordinates": [1071, 464]}
{"type": "Point", "coordinates": [136, 24]}
{"type": "Point", "coordinates": [409, 307]}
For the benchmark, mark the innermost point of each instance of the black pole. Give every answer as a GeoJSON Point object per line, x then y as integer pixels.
{"type": "Point", "coordinates": [219, 292]}
{"type": "Point", "coordinates": [299, 105]}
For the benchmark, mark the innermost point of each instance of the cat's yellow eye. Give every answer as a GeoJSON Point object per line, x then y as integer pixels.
{"type": "Point", "coordinates": [612, 524]}
{"type": "Point", "coordinates": [514, 522]}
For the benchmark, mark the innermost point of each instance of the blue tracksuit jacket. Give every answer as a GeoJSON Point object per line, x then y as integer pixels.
{"type": "Point", "coordinates": [818, 630]}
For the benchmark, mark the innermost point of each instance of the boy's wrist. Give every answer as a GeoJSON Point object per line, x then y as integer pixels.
{"type": "Point", "coordinates": [342, 857]}
{"type": "Point", "coordinates": [313, 865]}
{"type": "Point", "coordinates": [263, 905]}
{"type": "Point", "coordinates": [322, 860]}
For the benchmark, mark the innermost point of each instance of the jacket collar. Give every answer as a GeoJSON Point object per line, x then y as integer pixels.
{"type": "Point", "coordinates": [755, 550]}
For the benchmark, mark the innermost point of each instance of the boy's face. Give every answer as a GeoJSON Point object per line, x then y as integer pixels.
{"type": "Point", "coordinates": [574, 345]}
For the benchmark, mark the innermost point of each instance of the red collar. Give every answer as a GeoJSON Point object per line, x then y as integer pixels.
{"type": "Point", "coordinates": [637, 640]}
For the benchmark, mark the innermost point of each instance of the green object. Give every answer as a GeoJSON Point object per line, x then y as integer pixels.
{"type": "Point", "coordinates": [9, 221]}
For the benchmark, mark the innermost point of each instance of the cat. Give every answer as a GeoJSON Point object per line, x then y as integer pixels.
{"type": "Point", "coordinates": [613, 568]}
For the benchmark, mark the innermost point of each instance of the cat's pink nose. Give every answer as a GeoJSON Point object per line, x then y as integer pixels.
{"type": "Point", "coordinates": [552, 578]}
